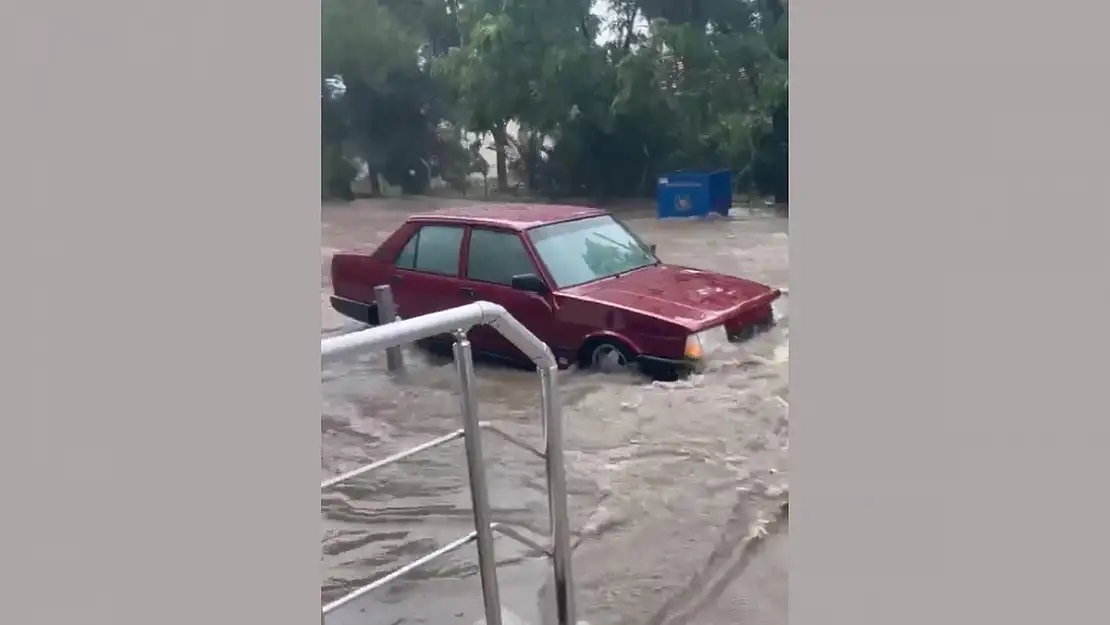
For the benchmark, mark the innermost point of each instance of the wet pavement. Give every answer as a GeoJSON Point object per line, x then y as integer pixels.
{"type": "Point", "coordinates": [669, 482]}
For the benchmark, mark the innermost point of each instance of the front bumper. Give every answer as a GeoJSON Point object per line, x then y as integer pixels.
{"type": "Point", "coordinates": [666, 368]}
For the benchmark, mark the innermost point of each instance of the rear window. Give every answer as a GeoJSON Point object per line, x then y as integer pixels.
{"type": "Point", "coordinates": [433, 249]}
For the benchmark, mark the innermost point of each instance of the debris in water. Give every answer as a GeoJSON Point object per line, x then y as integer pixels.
{"type": "Point", "coordinates": [758, 529]}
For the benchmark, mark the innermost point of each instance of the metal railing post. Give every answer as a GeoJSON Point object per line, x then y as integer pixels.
{"type": "Point", "coordinates": [551, 411]}
{"type": "Point", "coordinates": [387, 313]}
{"type": "Point", "coordinates": [391, 335]}
{"type": "Point", "coordinates": [479, 493]}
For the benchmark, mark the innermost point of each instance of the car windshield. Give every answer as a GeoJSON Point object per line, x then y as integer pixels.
{"type": "Point", "coordinates": [585, 250]}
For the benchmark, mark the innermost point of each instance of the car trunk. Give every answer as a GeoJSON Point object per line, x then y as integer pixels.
{"type": "Point", "coordinates": [354, 275]}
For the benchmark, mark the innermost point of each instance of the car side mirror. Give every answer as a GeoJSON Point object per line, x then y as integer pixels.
{"type": "Point", "coordinates": [530, 283]}
{"type": "Point", "coordinates": [651, 246]}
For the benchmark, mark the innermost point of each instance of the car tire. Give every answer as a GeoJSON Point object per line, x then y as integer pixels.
{"type": "Point", "coordinates": [607, 356]}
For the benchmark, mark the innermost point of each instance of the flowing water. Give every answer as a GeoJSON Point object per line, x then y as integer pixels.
{"type": "Point", "coordinates": [667, 481]}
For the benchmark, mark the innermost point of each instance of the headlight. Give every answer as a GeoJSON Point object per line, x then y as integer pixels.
{"type": "Point", "coordinates": [694, 349]}
{"type": "Point", "coordinates": [708, 340]}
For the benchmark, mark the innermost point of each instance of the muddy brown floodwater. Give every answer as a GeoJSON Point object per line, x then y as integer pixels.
{"type": "Point", "coordinates": [667, 480]}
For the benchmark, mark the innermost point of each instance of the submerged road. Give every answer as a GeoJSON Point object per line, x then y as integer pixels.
{"type": "Point", "coordinates": [668, 482]}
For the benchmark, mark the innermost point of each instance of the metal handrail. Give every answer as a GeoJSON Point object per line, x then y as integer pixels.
{"type": "Point", "coordinates": [458, 321]}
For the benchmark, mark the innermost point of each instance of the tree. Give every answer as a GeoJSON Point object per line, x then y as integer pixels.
{"type": "Point", "coordinates": [600, 107]}
{"type": "Point", "coordinates": [391, 111]}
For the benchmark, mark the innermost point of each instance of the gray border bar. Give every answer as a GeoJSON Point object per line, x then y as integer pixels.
{"type": "Point", "coordinates": [948, 256]}
{"type": "Point", "coordinates": [160, 438]}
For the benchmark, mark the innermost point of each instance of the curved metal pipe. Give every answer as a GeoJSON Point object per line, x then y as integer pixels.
{"type": "Point", "coordinates": [447, 321]}
{"type": "Point", "coordinates": [458, 321]}
{"type": "Point", "coordinates": [521, 337]}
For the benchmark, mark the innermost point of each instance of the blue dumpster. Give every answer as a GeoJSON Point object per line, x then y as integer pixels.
{"type": "Point", "coordinates": [694, 193]}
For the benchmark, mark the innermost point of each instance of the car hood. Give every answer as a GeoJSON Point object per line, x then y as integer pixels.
{"type": "Point", "coordinates": [691, 297]}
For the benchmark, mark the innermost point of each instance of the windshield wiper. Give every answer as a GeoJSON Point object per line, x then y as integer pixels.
{"type": "Point", "coordinates": [628, 247]}
{"type": "Point", "coordinates": [628, 271]}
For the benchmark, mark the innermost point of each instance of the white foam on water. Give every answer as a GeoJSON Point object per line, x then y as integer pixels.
{"type": "Point", "coordinates": [781, 353]}
{"type": "Point", "coordinates": [508, 618]}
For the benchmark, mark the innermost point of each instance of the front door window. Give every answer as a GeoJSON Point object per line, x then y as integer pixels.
{"type": "Point", "coordinates": [496, 257]}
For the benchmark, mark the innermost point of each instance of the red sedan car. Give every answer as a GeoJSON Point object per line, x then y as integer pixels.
{"type": "Point", "coordinates": [577, 277]}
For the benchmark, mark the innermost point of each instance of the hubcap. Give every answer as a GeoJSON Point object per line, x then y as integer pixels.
{"type": "Point", "coordinates": [609, 358]}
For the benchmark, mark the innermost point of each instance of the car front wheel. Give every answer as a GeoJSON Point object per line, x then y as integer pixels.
{"type": "Point", "coordinates": [608, 357]}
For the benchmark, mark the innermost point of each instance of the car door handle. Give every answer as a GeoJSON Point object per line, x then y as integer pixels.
{"type": "Point", "coordinates": [394, 279]}
{"type": "Point", "coordinates": [468, 292]}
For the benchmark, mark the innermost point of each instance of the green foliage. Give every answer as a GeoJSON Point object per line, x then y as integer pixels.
{"type": "Point", "coordinates": [575, 104]}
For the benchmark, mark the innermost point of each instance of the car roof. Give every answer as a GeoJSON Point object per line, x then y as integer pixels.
{"type": "Point", "coordinates": [516, 217]}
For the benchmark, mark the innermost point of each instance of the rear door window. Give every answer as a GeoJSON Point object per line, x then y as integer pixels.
{"type": "Point", "coordinates": [433, 249]}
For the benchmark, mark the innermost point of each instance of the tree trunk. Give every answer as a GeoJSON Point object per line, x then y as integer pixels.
{"type": "Point", "coordinates": [499, 143]}
{"type": "Point", "coordinates": [530, 144]}
{"type": "Point", "coordinates": [375, 183]}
